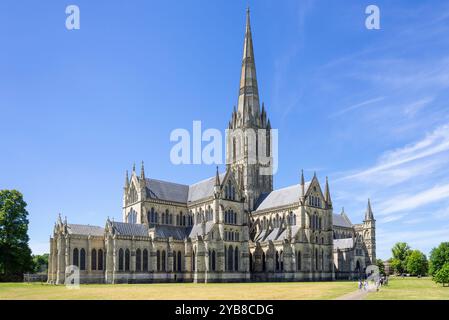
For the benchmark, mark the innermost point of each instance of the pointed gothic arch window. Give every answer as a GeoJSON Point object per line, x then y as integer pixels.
{"type": "Point", "coordinates": [193, 261]}
{"type": "Point", "coordinates": [100, 259]}
{"type": "Point", "coordinates": [322, 260]}
{"type": "Point", "coordinates": [127, 258]}
{"type": "Point", "coordinates": [138, 260]}
{"type": "Point", "coordinates": [145, 259]}
{"type": "Point", "coordinates": [230, 258]}
{"type": "Point", "coordinates": [236, 259]}
{"type": "Point", "coordinates": [174, 261]}
{"type": "Point", "coordinates": [226, 258]}
{"type": "Point", "coordinates": [298, 261]}
{"type": "Point", "coordinates": [179, 261]}
{"type": "Point", "coordinates": [164, 261]}
{"type": "Point", "coordinates": [120, 259]}
{"type": "Point", "coordinates": [76, 257]}
{"type": "Point", "coordinates": [213, 260]}
{"type": "Point", "coordinates": [281, 260]}
{"type": "Point", "coordinates": [93, 255]}
{"type": "Point", "coordinates": [82, 259]}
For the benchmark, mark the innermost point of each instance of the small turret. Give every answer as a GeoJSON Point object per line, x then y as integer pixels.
{"type": "Point", "coordinates": [217, 184]}
{"type": "Point", "coordinates": [303, 191]}
{"type": "Point", "coordinates": [327, 195]}
{"type": "Point", "coordinates": [142, 172]}
{"type": "Point", "coordinates": [126, 180]}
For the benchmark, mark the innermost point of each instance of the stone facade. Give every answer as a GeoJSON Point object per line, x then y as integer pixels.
{"type": "Point", "coordinates": [230, 227]}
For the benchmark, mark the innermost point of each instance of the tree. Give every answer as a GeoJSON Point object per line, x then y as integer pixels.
{"type": "Point", "coordinates": [401, 251]}
{"type": "Point", "coordinates": [439, 257]}
{"type": "Point", "coordinates": [381, 266]}
{"type": "Point", "coordinates": [442, 275]}
{"type": "Point", "coordinates": [15, 255]}
{"type": "Point", "coordinates": [40, 262]}
{"type": "Point", "coordinates": [417, 263]}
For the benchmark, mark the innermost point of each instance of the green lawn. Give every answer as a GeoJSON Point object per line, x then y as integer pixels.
{"type": "Point", "coordinates": [411, 289]}
{"type": "Point", "coordinates": [187, 291]}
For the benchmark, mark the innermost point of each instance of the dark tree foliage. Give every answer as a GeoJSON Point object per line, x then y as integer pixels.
{"type": "Point", "coordinates": [15, 255]}
{"type": "Point", "coordinates": [439, 257]}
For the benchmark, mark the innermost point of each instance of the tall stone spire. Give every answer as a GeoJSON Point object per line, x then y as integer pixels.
{"type": "Point", "coordinates": [248, 104]}
{"type": "Point", "coordinates": [369, 212]}
{"type": "Point", "coordinates": [327, 195]}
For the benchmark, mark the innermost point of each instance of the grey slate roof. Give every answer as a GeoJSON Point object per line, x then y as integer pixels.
{"type": "Point", "coordinates": [182, 193]}
{"type": "Point", "coordinates": [85, 229]}
{"type": "Point", "coordinates": [273, 234]}
{"type": "Point", "coordinates": [341, 221]}
{"type": "Point", "coordinates": [197, 229]}
{"type": "Point", "coordinates": [203, 189]}
{"type": "Point", "coordinates": [178, 233]}
{"type": "Point", "coordinates": [281, 197]}
{"type": "Point", "coordinates": [130, 229]}
{"type": "Point", "coordinates": [347, 243]}
{"type": "Point", "coordinates": [168, 191]}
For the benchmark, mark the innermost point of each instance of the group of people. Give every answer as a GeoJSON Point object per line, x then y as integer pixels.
{"type": "Point", "coordinates": [381, 281]}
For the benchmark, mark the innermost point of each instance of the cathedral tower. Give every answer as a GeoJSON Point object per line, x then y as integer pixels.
{"type": "Point", "coordinates": [369, 233]}
{"type": "Point", "coordinates": [249, 150]}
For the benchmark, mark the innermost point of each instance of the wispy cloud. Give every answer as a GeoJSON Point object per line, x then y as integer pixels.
{"type": "Point", "coordinates": [356, 106]}
{"type": "Point", "coordinates": [434, 143]}
{"type": "Point", "coordinates": [408, 202]}
{"type": "Point", "coordinates": [415, 107]}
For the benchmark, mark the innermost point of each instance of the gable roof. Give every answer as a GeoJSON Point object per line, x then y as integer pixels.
{"type": "Point", "coordinates": [341, 220]}
{"type": "Point", "coordinates": [281, 197]}
{"type": "Point", "coordinates": [197, 229]}
{"type": "Point", "coordinates": [85, 229]}
{"type": "Point", "coordinates": [168, 191]}
{"type": "Point", "coordinates": [203, 189]}
{"type": "Point", "coordinates": [130, 229]}
{"type": "Point", "coordinates": [165, 231]}
{"type": "Point", "coordinates": [182, 193]}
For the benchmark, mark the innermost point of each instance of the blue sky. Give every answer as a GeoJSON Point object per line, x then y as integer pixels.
{"type": "Point", "coordinates": [368, 108]}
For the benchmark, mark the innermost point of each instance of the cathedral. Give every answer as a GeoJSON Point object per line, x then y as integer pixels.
{"type": "Point", "coordinates": [231, 227]}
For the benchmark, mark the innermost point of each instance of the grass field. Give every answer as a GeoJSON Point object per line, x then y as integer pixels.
{"type": "Point", "coordinates": [411, 289]}
{"type": "Point", "coordinates": [187, 291]}
{"type": "Point", "coordinates": [398, 289]}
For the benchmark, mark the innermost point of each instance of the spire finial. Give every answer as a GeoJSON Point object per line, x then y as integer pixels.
{"type": "Point", "coordinates": [369, 212]}
{"type": "Point", "coordinates": [303, 191]}
{"type": "Point", "coordinates": [142, 171]}
{"type": "Point", "coordinates": [126, 179]}
{"type": "Point", "coordinates": [327, 194]}
{"type": "Point", "coordinates": [134, 167]}
{"type": "Point", "coordinates": [217, 178]}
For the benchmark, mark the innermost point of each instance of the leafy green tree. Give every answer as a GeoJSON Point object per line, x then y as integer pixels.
{"type": "Point", "coordinates": [442, 275]}
{"type": "Point", "coordinates": [417, 263]}
{"type": "Point", "coordinates": [15, 255]}
{"type": "Point", "coordinates": [400, 251]}
{"type": "Point", "coordinates": [439, 257]}
{"type": "Point", "coordinates": [40, 262]}
{"type": "Point", "coordinates": [381, 266]}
